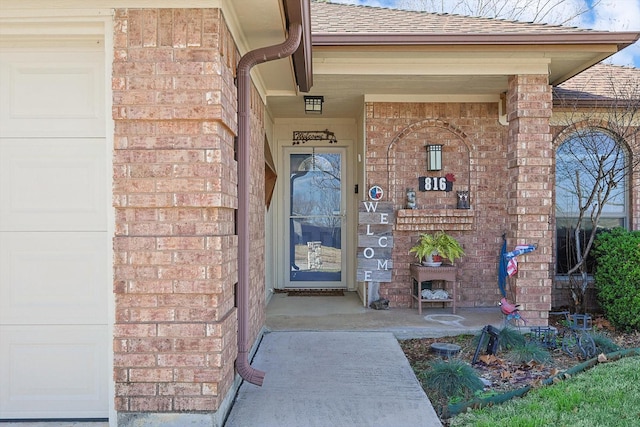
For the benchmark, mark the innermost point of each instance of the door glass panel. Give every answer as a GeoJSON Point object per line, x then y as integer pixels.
{"type": "Point", "coordinates": [315, 217]}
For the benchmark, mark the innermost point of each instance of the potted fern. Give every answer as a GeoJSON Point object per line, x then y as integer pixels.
{"type": "Point", "coordinates": [439, 244]}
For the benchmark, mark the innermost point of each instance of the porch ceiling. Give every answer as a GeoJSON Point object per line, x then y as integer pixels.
{"type": "Point", "coordinates": [346, 75]}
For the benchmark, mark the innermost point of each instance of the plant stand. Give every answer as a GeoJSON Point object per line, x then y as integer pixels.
{"type": "Point", "coordinates": [445, 274]}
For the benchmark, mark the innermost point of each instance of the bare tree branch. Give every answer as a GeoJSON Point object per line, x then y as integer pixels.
{"type": "Point", "coordinates": [557, 12]}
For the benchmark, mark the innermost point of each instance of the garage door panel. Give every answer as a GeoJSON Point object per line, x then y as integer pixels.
{"type": "Point", "coordinates": [55, 232]}
{"type": "Point", "coordinates": [53, 184]}
{"type": "Point", "coordinates": [53, 278]}
{"type": "Point", "coordinates": [52, 93]}
{"type": "Point", "coordinates": [53, 371]}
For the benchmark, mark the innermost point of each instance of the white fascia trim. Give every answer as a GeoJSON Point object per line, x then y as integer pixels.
{"type": "Point", "coordinates": [432, 98]}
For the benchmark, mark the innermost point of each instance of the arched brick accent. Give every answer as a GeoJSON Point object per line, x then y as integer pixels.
{"type": "Point", "coordinates": [411, 160]}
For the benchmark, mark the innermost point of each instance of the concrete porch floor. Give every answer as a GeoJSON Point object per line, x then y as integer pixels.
{"type": "Point", "coordinates": [347, 313]}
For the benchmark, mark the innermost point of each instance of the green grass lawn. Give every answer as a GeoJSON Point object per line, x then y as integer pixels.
{"type": "Point", "coordinates": [606, 395]}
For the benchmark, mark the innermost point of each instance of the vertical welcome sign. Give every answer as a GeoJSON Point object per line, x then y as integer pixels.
{"type": "Point", "coordinates": [375, 239]}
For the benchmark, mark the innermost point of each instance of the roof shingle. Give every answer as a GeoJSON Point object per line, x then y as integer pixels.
{"type": "Point", "coordinates": [341, 18]}
{"type": "Point", "coordinates": [602, 82]}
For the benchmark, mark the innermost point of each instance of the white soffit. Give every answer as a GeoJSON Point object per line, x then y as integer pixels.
{"type": "Point", "coordinates": [431, 66]}
{"type": "Point", "coordinates": [253, 24]}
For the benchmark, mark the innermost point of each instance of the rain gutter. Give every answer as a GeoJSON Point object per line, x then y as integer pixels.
{"type": "Point", "coordinates": [620, 39]}
{"type": "Point", "coordinates": [296, 20]}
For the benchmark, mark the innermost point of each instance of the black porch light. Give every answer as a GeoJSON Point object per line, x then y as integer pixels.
{"type": "Point", "coordinates": [313, 104]}
{"type": "Point", "coordinates": [434, 157]}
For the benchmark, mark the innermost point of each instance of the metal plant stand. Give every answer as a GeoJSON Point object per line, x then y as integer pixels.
{"type": "Point", "coordinates": [576, 340]}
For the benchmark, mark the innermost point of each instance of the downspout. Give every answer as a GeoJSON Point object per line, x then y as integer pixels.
{"type": "Point", "coordinates": [255, 57]}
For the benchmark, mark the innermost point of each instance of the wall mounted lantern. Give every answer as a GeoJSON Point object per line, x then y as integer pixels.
{"type": "Point", "coordinates": [313, 104]}
{"type": "Point", "coordinates": [434, 157]}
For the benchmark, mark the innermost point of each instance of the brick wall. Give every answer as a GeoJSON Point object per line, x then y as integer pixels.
{"type": "Point", "coordinates": [508, 172]}
{"type": "Point", "coordinates": [475, 152]}
{"type": "Point", "coordinates": [530, 155]}
{"type": "Point", "coordinates": [174, 107]}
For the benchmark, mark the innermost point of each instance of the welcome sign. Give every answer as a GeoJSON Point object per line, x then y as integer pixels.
{"type": "Point", "coordinates": [375, 241]}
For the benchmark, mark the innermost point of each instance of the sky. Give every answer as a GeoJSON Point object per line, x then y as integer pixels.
{"type": "Point", "coordinates": [607, 15]}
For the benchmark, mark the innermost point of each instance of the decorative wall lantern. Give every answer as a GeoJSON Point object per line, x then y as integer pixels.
{"type": "Point", "coordinates": [313, 104]}
{"type": "Point", "coordinates": [434, 157]}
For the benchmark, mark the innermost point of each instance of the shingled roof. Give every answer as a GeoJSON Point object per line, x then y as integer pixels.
{"type": "Point", "coordinates": [341, 18]}
{"type": "Point", "coordinates": [600, 84]}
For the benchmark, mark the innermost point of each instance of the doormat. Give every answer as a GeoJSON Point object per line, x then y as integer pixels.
{"type": "Point", "coordinates": [314, 292]}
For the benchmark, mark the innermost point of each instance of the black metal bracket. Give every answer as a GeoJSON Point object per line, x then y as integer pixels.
{"type": "Point", "coordinates": [492, 345]}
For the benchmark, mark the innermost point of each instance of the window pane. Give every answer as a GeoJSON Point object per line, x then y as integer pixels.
{"type": "Point", "coordinates": [565, 241]}
{"type": "Point", "coordinates": [586, 165]}
{"type": "Point", "coordinates": [590, 172]}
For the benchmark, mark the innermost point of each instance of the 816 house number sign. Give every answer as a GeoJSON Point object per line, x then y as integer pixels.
{"type": "Point", "coordinates": [436, 183]}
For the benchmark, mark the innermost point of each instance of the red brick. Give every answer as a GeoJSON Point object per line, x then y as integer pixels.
{"type": "Point", "coordinates": [197, 374]}
{"type": "Point", "coordinates": [180, 243]}
{"type": "Point", "coordinates": [179, 389]}
{"type": "Point", "coordinates": [181, 360]}
{"type": "Point", "coordinates": [150, 375]}
{"type": "Point", "coordinates": [134, 331]}
{"type": "Point", "coordinates": [152, 314]}
{"type": "Point", "coordinates": [195, 403]}
{"type": "Point", "coordinates": [150, 404]}
{"type": "Point", "coordinates": [149, 345]}
{"type": "Point", "coordinates": [181, 330]}
{"type": "Point", "coordinates": [136, 389]}
{"type": "Point", "coordinates": [134, 360]}
{"type": "Point", "coordinates": [182, 300]}
{"type": "Point", "coordinates": [204, 345]}
{"type": "Point", "coordinates": [182, 272]}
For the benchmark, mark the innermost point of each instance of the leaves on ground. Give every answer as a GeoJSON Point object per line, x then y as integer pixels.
{"type": "Point", "coordinates": [503, 374]}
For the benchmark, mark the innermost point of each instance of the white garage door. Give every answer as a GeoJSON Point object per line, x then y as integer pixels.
{"type": "Point", "coordinates": [54, 245]}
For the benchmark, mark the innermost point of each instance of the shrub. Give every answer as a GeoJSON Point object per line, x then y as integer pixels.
{"type": "Point", "coordinates": [528, 352]}
{"type": "Point", "coordinates": [451, 378]}
{"type": "Point", "coordinates": [617, 277]}
{"type": "Point", "coordinates": [603, 343]}
{"type": "Point", "coordinates": [509, 338]}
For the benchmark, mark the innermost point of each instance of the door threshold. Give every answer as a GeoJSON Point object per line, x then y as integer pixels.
{"type": "Point", "coordinates": [305, 292]}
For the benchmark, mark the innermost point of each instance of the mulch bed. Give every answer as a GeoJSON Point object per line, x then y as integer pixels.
{"type": "Point", "coordinates": [503, 374]}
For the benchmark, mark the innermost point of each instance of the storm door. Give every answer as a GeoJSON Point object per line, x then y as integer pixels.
{"type": "Point", "coordinates": [315, 208]}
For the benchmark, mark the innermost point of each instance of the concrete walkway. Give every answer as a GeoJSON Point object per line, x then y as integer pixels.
{"type": "Point", "coordinates": [333, 379]}
{"type": "Point", "coordinates": [332, 362]}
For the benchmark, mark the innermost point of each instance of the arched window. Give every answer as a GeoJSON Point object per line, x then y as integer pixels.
{"type": "Point", "coordinates": [591, 188]}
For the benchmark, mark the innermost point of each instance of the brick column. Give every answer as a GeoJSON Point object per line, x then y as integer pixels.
{"type": "Point", "coordinates": [174, 192]}
{"type": "Point", "coordinates": [530, 192]}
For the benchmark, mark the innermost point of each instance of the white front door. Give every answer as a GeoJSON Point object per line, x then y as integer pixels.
{"type": "Point", "coordinates": [315, 217]}
{"type": "Point", "coordinates": [54, 242]}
